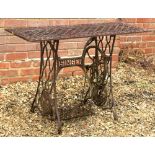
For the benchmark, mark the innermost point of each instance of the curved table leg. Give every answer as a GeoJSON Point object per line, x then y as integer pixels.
{"type": "Point", "coordinates": [98, 72]}
{"type": "Point", "coordinates": [45, 99]}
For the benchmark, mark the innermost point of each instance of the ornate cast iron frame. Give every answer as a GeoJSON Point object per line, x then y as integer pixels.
{"type": "Point", "coordinates": [97, 72]}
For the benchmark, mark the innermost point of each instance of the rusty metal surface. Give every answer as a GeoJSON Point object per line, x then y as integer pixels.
{"type": "Point", "coordinates": [35, 34]}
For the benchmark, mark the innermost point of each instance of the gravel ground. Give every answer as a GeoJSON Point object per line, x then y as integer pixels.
{"type": "Point", "coordinates": [134, 93]}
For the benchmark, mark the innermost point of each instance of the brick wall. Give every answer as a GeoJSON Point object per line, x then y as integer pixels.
{"type": "Point", "coordinates": [19, 59]}
{"type": "Point", "coordinates": [145, 41]}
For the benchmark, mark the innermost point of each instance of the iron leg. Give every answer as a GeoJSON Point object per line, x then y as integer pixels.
{"type": "Point", "coordinates": [57, 114]}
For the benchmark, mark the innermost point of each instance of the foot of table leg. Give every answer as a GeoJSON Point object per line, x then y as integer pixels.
{"type": "Point", "coordinates": [59, 123]}
{"type": "Point", "coordinates": [33, 107]}
{"type": "Point", "coordinates": [113, 110]}
{"type": "Point", "coordinates": [60, 129]}
{"type": "Point", "coordinates": [115, 116]}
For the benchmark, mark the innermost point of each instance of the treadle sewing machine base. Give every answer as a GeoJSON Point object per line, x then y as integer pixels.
{"type": "Point", "coordinates": [98, 73]}
{"type": "Point", "coordinates": [95, 61]}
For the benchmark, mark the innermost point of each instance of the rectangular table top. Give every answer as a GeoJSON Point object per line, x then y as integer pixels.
{"type": "Point", "coordinates": [36, 34]}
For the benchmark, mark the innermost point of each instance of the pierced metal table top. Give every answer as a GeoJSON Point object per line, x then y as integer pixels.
{"type": "Point", "coordinates": [36, 34]}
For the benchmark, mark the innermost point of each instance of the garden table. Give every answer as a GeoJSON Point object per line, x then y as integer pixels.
{"type": "Point", "coordinates": [101, 40]}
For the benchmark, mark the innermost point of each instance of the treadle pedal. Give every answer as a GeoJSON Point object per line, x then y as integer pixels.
{"type": "Point", "coordinates": [68, 112]}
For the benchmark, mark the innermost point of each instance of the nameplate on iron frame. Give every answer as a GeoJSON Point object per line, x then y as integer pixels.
{"type": "Point", "coordinates": [69, 62]}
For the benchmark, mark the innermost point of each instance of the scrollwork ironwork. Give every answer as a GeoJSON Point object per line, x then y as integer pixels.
{"type": "Point", "coordinates": [97, 72]}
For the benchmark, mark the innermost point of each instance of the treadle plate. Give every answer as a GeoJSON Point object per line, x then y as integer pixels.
{"type": "Point", "coordinates": [70, 112]}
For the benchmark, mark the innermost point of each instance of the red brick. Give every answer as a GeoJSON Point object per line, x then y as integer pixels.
{"type": "Point", "coordinates": [18, 79]}
{"type": "Point", "coordinates": [37, 22]}
{"type": "Point", "coordinates": [21, 47]}
{"type": "Point", "coordinates": [13, 48]}
{"type": "Point", "coordinates": [35, 77]}
{"type": "Point", "coordinates": [149, 25]}
{"type": "Point", "coordinates": [153, 50]}
{"type": "Point", "coordinates": [101, 20]}
{"type": "Point", "coordinates": [141, 20]}
{"type": "Point", "coordinates": [122, 45]}
{"type": "Point", "coordinates": [129, 20]}
{"type": "Point", "coordinates": [78, 72]}
{"type": "Point", "coordinates": [4, 81]}
{"type": "Point", "coordinates": [2, 40]}
{"type": "Point", "coordinates": [2, 56]}
{"type": "Point", "coordinates": [87, 60]}
{"type": "Point", "coordinates": [68, 45]}
{"type": "Point", "coordinates": [32, 54]}
{"type": "Point", "coordinates": [55, 22]}
{"type": "Point", "coordinates": [117, 43]}
{"type": "Point", "coordinates": [8, 73]}
{"type": "Point", "coordinates": [9, 48]}
{"type": "Point", "coordinates": [150, 44]}
{"type": "Point", "coordinates": [70, 69]}
{"type": "Point", "coordinates": [116, 50]}
{"type": "Point", "coordinates": [15, 22]}
{"type": "Point", "coordinates": [79, 21]}
{"type": "Point", "coordinates": [148, 50]}
{"type": "Point", "coordinates": [33, 47]}
{"type": "Point", "coordinates": [115, 57]}
{"type": "Point", "coordinates": [123, 38]}
{"type": "Point", "coordinates": [74, 40]}
{"type": "Point", "coordinates": [91, 51]}
{"type": "Point", "coordinates": [140, 45]}
{"type": "Point", "coordinates": [80, 45]}
{"type": "Point", "coordinates": [94, 20]}
{"type": "Point", "coordinates": [134, 38]}
{"type": "Point", "coordinates": [43, 22]}
{"type": "Point", "coordinates": [16, 56]}
{"type": "Point", "coordinates": [14, 79]}
{"type": "Point", "coordinates": [66, 74]}
{"type": "Point", "coordinates": [32, 22]}
{"type": "Point", "coordinates": [145, 20]}
{"type": "Point", "coordinates": [4, 65]}
{"type": "Point", "coordinates": [14, 40]}
{"type": "Point", "coordinates": [148, 38]}
{"type": "Point", "coordinates": [75, 52]}
{"type": "Point", "coordinates": [16, 48]}
{"type": "Point", "coordinates": [114, 64]}
{"type": "Point", "coordinates": [1, 22]}
{"type": "Point", "coordinates": [26, 72]}
{"type": "Point", "coordinates": [2, 48]}
{"type": "Point", "coordinates": [36, 63]}
{"type": "Point", "coordinates": [63, 53]}
{"type": "Point", "coordinates": [1, 94]}
{"type": "Point", "coordinates": [22, 64]}
{"type": "Point", "coordinates": [133, 45]}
